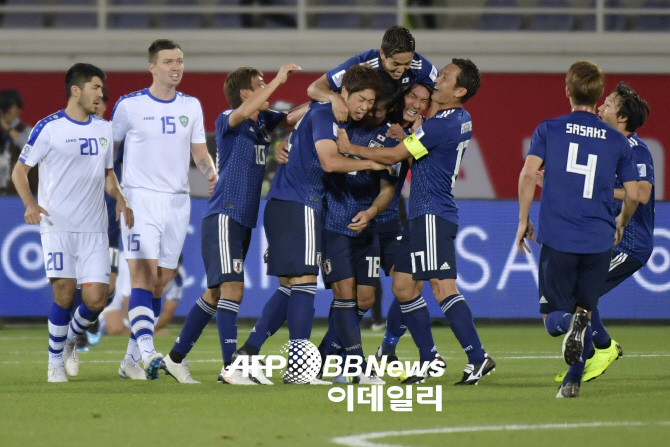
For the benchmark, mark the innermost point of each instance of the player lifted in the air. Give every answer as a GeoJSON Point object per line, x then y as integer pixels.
{"type": "Point", "coordinates": [242, 140]}
{"type": "Point", "coordinates": [396, 62]}
{"type": "Point", "coordinates": [74, 150]}
{"type": "Point", "coordinates": [160, 128]}
{"type": "Point", "coordinates": [437, 148]}
{"type": "Point", "coordinates": [582, 156]}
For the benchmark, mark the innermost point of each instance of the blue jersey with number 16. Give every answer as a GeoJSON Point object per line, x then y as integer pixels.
{"type": "Point", "coordinates": [582, 157]}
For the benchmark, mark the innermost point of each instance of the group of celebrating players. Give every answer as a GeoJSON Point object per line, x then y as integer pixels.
{"type": "Point", "coordinates": [332, 205]}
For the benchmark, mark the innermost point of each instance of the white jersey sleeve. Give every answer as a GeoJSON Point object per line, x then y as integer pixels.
{"type": "Point", "coordinates": [120, 120]}
{"type": "Point", "coordinates": [38, 144]}
{"type": "Point", "coordinates": [198, 134]}
{"type": "Point", "coordinates": [109, 157]}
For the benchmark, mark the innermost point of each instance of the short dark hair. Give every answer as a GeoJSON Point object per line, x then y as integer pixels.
{"type": "Point", "coordinates": [397, 39]}
{"type": "Point", "coordinates": [586, 83]}
{"type": "Point", "coordinates": [398, 105]}
{"type": "Point", "coordinates": [79, 74]}
{"type": "Point", "coordinates": [105, 94]}
{"type": "Point", "coordinates": [9, 98]}
{"type": "Point", "coordinates": [159, 45]}
{"type": "Point", "coordinates": [470, 78]}
{"type": "Point", "coordinates": [362, 77]}
{"type": "Point", "coordinates": [238, 80]}
{"type": "Point", "coordinates": [631, 106]}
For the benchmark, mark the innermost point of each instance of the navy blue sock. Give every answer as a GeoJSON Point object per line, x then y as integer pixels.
{"type": "Point", "coordinates": [156, 305]}
{"type": "Point", "coordinates": [59, 319]}
{"type": "Point", "coordinates": [331, 344]}
{"type": "Point", "coordinates": [195, 322]}
{"type": "Point", "coordinates": [462, 325]}
{"type": "Point", "coordinates": [557, 322]}
{"type": "Point", "coordinates": [346, 324]}
{"type": "Point", "coordinates": [394, 328]}
{"type": "Point", "coordinates": [575, 371]}
{"type": "Point", "coordinates": [416, 316]}
{"type": "Point", "coordinates": [360, 312]}
{"type": "Point", "coordinates": [226, 321]}
{"type": "Point", "coordinates": [601, 339]}
{"type": "Point", "coordinates": [271, 319]}
{"type": "Point", "coordinates": [300, 313]}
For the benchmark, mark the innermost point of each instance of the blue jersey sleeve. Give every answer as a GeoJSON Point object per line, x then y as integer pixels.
{"type": "Point", "coordinates": [426, 138]}
{"type": "Point", "coordinates": [222, 124]}
{"type": "Point", "coordinates": [335, 75]}
{"type": "Point", "coordinates": [273, 118]}
{"type": "Point", "coordinates": [644, 163]}
{"type": "Point", "coordinates": [324, 126]}
{"type": "Point", "coordinates": [626, 170]}
{"type": "Point", "coordinates": [538, 144]}
{"type": "Point", "coordinates": [428, 72]}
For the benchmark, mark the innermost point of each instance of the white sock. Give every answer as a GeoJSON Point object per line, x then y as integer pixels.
{"type": "Point", "coordinates": [133, 351]}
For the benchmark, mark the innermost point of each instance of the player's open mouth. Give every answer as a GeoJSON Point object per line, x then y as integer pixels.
{"type": "Point", "coordinates": [411, 112]}
{"type": "Point", "coordinates": [175, 76]}
{"type": "Point", "coordinates": [360, 115]}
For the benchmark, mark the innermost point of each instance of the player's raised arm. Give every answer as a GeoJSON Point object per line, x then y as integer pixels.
{"type": "Point", "coordinates": [360, 220]}
{"type": "Point", "coordinates": [320, 91]}
{"type": "Point", "coordinates": [332, 161]}
{"type": "Point", "coordinates": [20, 179]}
{"type": "Point", "coordinates": [253, 100]}
{"type": "Point", "coordinates": [295, 115]}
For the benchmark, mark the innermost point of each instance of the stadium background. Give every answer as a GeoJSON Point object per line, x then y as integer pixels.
{"type": "Point", "coordinates": [522, 84]}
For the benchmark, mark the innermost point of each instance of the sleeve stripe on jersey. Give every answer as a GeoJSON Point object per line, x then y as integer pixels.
{"type": "Point", "coordinates": [415, 147]}
{"type": "Point", "coordinates": [39, 127]}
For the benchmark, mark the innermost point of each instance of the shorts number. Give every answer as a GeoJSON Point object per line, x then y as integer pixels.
{"type": "Point", "coordinates": [588, 170]}
{"type": "Point", "coordinates": [89, 146]}
{"type": "Point", "coordinates": [418, 254]}
{"type": "Point", "coordinates": [55, 261]}
{"type": "Point", "coordinates": [133, 242]}
{"type": "Point", "coordinates": [260, 154]}
{"type": "Point", "coordinates": [169, 125]}
{"type": "Point", "coordinates": [373, 266]}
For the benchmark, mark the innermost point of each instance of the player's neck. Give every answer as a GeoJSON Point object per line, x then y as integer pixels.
{"type": "Point", "coordinates": [162, 92]}
{"type": "Point", "coordinates": [76, 113]}
{"type": "Point", "coordinates": [583, 108]}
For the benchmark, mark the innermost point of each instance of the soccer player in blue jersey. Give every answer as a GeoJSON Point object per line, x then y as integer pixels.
{"type": "Point", "coordinates": [581, 156]}
{"type": "Point", "coordinates": [243, 140]}
{"type": "Point", "coordinates": [624, 110]}
{"type": "Point", "coordinates": [437, 148]}
{"type": "Point", "coordinates": [396, 62]}
{"type": "Point", "coordinates": [292, 214]}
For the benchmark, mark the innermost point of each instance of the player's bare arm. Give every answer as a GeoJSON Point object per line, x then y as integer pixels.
{"type": "Point", "coordinates": [113, 188]}
{"type": "Point", "coordinates": [20, 179]}
{"type": "Point", "coordinates": [332, 161]}
{"type": "Point", "coordinates": [255, 100]}
{"type": "Point", "coordinates": [630, 202]}
{"type": "Point", "coordinates": [387, 156]}
{"type": "Point", "coordinates": [527, 180]}
{"type": "Point", "coordinates": [360, 220]}
{"type": "Point", "coordinates": [295, 115]}
{"type": "Point", "coordinates": [320, 91]}
{"type": "Point", "coordinates": [204, 163]}
{"type": "Point", "coordinates": [643, 188]}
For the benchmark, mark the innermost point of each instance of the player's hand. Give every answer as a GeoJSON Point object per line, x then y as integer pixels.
{"type": "Point", "coordinates": [619, 230]}
{"type": "Point", "coordinates": [122, 207]}
{"type": "Point", "coordinates": [212, 179]}
{"type": "Point", "coordinates": [418, 121]}
{"type": "Point", "coordinates": [525, 231]}
{"type": "Point", "coordinates": [396, 132]}
{"type": "Point", "coordinates": [343, 143]}
{"type": "Point", "coordinates": [285, 71]}
{"type": "Point", "coordinates": [281, 152]}
{"type": "Point", "coordinates": [539, 178]}
{"type": "Point", "coordinates": [33, 213]}
{"type": "Point", "coordinates": [340, 109]}
{"type": "Point", "coordinates": [359, 222]}
{"type": "Point", "coordinates": [374, 166]}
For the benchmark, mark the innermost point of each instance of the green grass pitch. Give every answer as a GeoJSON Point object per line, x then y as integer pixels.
{"type": "Point", "coordinates": [514, 406]}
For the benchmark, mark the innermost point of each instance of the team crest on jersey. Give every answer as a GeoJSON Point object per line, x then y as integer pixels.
{"type": "Point", "coordinates": [103, 143]}
{"type": "Point", "coordinates": [238, 266]}
{"type": "Point", "coordinates": [327, 267]}
{"type": "Point", "coordinates": [183, 120]}
{"type": "Point", "coordinates": [26, 151]}
{"type": "Point", "coordinates": [381, 138]}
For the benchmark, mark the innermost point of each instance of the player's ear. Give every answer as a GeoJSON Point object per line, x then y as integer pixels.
{"type": "Point", "coordinates": [75, 91]}
{"type": "Point", "coordinates": [461, 92]}
{"type": "Point", "coordinates": [567, 91]}
{"type": "Point", "coordinates": [381, 54]}
{"type": "Point", "coordinates": [345, 93]}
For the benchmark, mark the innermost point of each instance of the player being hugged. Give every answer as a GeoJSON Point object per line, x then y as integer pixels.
{"type": "Point", "coordinates": [160, 128]}
{"type": "Point", "coordinates": [437, 148]}
{"type": "Point", "coordinates": [75, 155]}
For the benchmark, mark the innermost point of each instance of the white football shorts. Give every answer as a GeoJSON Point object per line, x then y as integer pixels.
{"type": "Point", "coordinates": [83, 256]}
{"type": "Point", "coordinates": [161, 222]}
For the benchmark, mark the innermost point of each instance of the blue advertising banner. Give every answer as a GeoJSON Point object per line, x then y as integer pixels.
{"type": "Point", "coordinates": [496, 280]}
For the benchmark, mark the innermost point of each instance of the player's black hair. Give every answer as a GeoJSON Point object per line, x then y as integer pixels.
{"type": "Point", "coordinates": [396, 108]}
{"type": "Point", "coordinates": [9, 98]}
{"type": "Point", "coordinates": [238, 80]}
{"type": "Point", "coordinates": [397, 39]}
{"type": "Point", "coordinates": [631, 106]}
{"type": "Point", "coordinates": [159, 45]}
{"type": "Point", "coordinates": [362, 77]}
{"type": "Point", "coordinates": [586, 83]}
{"type": "Point", "coordinates": [79, 74]}
{"type": "Point", "coordinates": [470, 78]}
{"type": "Point", "coordinates": [105, 94]}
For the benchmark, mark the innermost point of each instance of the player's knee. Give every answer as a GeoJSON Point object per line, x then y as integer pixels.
{"type": "Point", "coordinates": [404, 291]}
{"type": "Point", "coordinates": [365, 300]}
{"type": "Point", "coordinates": [345, 289]}
{"type": "Point", "coordinates": [232, 291]}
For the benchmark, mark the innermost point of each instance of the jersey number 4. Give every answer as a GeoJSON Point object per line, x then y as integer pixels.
{"type": "Point", "coordinates": [588, 170]}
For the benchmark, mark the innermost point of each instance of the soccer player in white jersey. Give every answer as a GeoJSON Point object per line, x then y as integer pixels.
{"type": "Point", "coordinates": [74, 152]}
{"type": "Point", "coordinates": [161, 127]}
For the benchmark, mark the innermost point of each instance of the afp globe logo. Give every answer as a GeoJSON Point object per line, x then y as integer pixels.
{"type": "Point", "coordinates": [304, 361]}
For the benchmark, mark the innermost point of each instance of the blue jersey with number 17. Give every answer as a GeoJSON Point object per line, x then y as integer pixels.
{"type": "Point", "coordinates": [582, 157]}
{"type": "Point", "coordinates": [437, 147]}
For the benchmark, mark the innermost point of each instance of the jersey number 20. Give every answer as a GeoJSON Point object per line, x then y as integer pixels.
{"type": "Point", "coordinates": [588, 170]}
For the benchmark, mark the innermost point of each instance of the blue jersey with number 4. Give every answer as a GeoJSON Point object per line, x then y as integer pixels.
{"type": "Point", "coordinates": [438, 147]}
{"type": "Point", "coordinates": [582, 157]}
{"type": "Point", "coordinates": [240, 158]}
